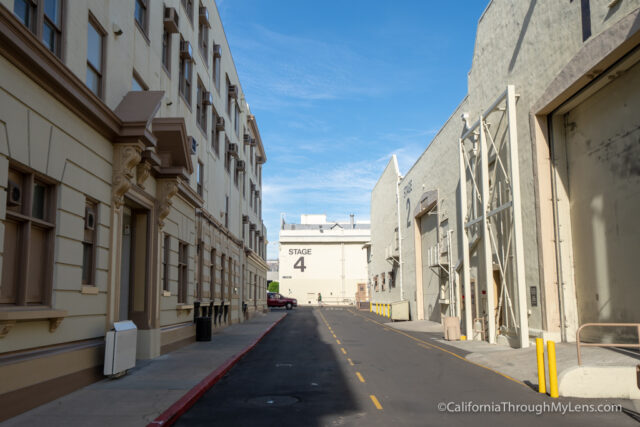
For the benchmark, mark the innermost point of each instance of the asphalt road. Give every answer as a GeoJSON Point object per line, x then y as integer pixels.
{"type": "Point", "coordinates": [326, 367]}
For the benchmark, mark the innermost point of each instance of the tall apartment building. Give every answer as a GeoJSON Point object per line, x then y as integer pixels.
{"type": "Point", "coordinates": [326, 258]}
{"type": "Point", "coordinates": [130, 185]}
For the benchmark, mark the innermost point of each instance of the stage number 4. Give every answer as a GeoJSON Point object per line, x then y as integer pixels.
{"type": "Point", "coordinates": [300, 264]}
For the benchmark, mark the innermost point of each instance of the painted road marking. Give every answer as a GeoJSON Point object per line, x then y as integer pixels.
{"type": "Point", "coordinates": [375, 402]}
{"type": "Point", "coordinates": [432, 346]}
{"type": "Point", "coordinates": [338, 341]}
{"type": "Point", "coordinates": [343, 350]}
{"type": "Point", "coordinates": [360, 377]}
{"type": "Point", "coordinates": [334, 335]}
{"type": "Point", "coordinates": [350, 361]}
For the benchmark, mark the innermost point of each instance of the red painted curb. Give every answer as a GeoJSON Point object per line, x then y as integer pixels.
{"type": "Point", "coordinates": [174, 412]}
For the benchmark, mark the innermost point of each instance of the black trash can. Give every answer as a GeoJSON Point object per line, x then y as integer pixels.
{"type": "Point", "coordinates": [203, 323]}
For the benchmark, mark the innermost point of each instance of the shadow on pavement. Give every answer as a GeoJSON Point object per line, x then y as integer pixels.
{"type": "Point", "coordinates": [292, 377]}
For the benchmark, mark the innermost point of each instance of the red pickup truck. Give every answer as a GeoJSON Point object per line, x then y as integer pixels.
{"type": "Point", "coordinates": [277, 300]}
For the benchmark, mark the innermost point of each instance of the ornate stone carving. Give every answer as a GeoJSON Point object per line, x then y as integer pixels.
{"type": "Point", "coordinates": [126, 157]}
{"type": "Point", "coordinates": [142, 173]}
{"type": "Point", "coordinates": [54, 322]}
{"type": "Point", "coordinates": [166, 190]}
{"type": "Point", "coordinates": [5, 327]}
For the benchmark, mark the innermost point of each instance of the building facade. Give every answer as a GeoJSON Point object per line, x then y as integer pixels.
{"type": "Point", "coordinates": [130, 184]}
{"type": "Point", "coordinates": [323, 262]}
{"type": "Point", "coordinates": [517, 217]}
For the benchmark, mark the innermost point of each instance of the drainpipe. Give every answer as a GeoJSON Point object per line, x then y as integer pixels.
{"type": "Point", "coordinates": [399, 177]}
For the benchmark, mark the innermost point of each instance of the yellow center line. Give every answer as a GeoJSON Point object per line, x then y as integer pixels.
{"type": "Point", "coordinates": [360, 377]}
{"type": "Point", "coordinates": [375, 402]}
{"type": "Point", "coordinates": [429, 345]}
{"type": "Point", "coordinates": [338, 341]}
{"type": "Point", "coordinates": [343, 350]}
{"type": "Point", "coordinates": [334, 335]}
{"type": "Point", "coordinates": [350, 361]}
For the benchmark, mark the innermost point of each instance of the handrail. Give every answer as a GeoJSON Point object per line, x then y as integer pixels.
{"type": "Point", "coordinates": [615, 325]}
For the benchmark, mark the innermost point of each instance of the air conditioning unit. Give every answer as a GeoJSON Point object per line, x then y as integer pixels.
{"type": "Point", "coordinates": [219, 123]}
{"type": "Point", "coordinates": [14, 194]}
{"type": "Point", "coordinates": [233, 91]}
{"type": "Point", "coordinates": [186, 51]}
{"type": "Point", "coordinates": [247, 139]}
{"type": "Point", "coordinates": [240, 166]}
{"type": "Point", "coordinates": [120, 348]}
{"type": "Point", "coordinates": [194, 145]}
{"type": "Point", "coordinates": [207, 98]}
{"type": "Point", "coordinates": [217, 51]}
{"type": "Point", "coordinates": [171, 20]}
{"type": "Point", "coordinates": [245, 219]}
{"type": "Point", "coordinates": [233, 149]}
{"type": "Point", "coordinates": [204, 15]}
{"type": "Point", "coordinates": [253, 141]}
{"type": "Point", "coordinates": [89, 218]}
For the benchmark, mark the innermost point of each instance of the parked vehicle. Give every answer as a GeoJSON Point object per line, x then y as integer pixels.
{"type": "Point", "coordinates": [276, 300]}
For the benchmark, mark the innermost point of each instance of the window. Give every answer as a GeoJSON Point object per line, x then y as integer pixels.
{"type": "Point", "coordinates": [183, 271]}
{"type": "Point", "coordinates": [188, 7]}
{"type": "Point", "coordinates": [226, 211]}
{"type": "Point", "coordinates": [229, 97]}
{"type": "Point", "coordinates": [89, 243]}
{"type": "Point", "coordinates": [29, 232]}
{"type": "Point", "coordinates": [166, 258]}
{"type": "Point", "coordinates": [236, 120]}
{"type": "Point", "coordinates": [45, 22]}
{"type": "Point", "coordinates": [244, 185]}
{"type": "Point", "coordinates": [200, 177]}
{"type": "Point", "coordinates": [227, 157]}
{"type": "Point", "coordinates": [236, 172]}
{"type": "Point", "coordinates": [140, 15]}
{"type": "Point", "coordinates": [203, 39]}
{"type": "Point", "coordinates": [166, 50]}
{"type": "Point", "coordinates": [212, 274]}
{"type": "Point", "coordinates": [252, 188]}
{"type": "Point", "coordinates": [95, 45]}
{"type": "Point", "coordinates": [216, 65]}
{"type": "Point", "coordinates": [137, 83]}
{"type": "Point", "coordinates": [185, 77]}
{"type": "Point", "coordinates": [215, 133]}
{"type": "Point", "coordinates": [222, 275]}
{"type": "Point", "coordinates": [200, 258]}
{"type": "Point", "coordinates": [201, 107]}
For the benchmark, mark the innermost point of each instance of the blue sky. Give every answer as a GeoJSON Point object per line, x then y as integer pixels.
{"type": "Point", "coordinates": [337, 87]}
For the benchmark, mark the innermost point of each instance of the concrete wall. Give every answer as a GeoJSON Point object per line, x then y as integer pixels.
{"type": "Point", "coordinates": [384, 225]}
{"type": "Point", "coordinates": [333, 270]}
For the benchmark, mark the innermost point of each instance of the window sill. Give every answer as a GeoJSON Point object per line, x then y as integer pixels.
{"type": "Point", "coordinates": [9, 318]}
{"type": "Point", "coordinates": [187, 307]}
{"type": "Point", "coordinates": [187, 103]}
{"type": "Point", "coordinates": [166, 293]}
{"type": "Point", "coordinates": [89, 290]}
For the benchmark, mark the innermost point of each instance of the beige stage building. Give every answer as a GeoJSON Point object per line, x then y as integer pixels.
{"type": "Point", "coordinates": [323, 258]}
{"type": "Point", "coordinates": [130, 186]}
{"type": "Point", "coordinates": [520, 217]}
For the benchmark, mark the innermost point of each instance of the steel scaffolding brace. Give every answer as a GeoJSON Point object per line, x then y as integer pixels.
{"type": "Point", "coordinates": [491, 217]}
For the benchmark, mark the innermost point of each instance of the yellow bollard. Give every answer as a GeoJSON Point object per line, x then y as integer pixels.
{"type": "Point", "coordinates": [542, 384]}
{"type": "Point", "coordinates": [463, 337]}
{"type": "Point", "coordinates": [370, 307]}
{"type": "Point", "coordinates": [387, 312]}
{"type": "Point", "coordinates": [553, 371]}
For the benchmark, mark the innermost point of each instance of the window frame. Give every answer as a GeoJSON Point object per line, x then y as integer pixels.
{"type": "Point", "coordinates": [200, 178]}
{"type": "Point", "coordinates": [165, 56]}
{"type": "Point", "coordinates": [183, 272]}
{"type": "Point", "coordinates": [37, 20]}
{"type": "Point", "coordinates": [215, 133]}
{"type": "Point", "coordinates": [91, 203]}
{"type": "Point", "coordinates": [185, 85]}
{"type": "Point", "coordinates": [201, 108]}
{"type": "Point", "coordinates": [103, 43]}
{"type": "Point", "coordinates": [188, 8]}
{"type": "Point", "coordinates": [166, 262]}
{"type": "Point", "coordinates": [212, 273]}
{"type": "Point", "coordinates": [144, 26]}
{"type": "Point", "coordinates": [25, 222]}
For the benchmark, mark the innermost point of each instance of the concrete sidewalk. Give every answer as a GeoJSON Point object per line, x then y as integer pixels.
{"type": "Point", "coordinates": [520, 363]}
{"type": "Point", "coordinates": [151, 387]}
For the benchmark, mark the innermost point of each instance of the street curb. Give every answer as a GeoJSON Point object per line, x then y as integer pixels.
{"type": "Point", "coordinates": [174, 412]}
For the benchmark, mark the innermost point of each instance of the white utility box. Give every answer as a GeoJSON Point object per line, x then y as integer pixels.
{"type": "Point", "coordinates": [400, 310]}
{"type": "Point", "coordinates": [120, 348]}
